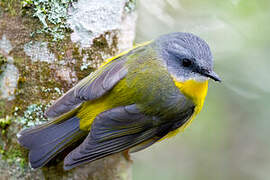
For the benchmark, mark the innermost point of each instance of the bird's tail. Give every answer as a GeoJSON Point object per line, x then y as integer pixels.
{"type": "Point", "coordinates": [46, 141]}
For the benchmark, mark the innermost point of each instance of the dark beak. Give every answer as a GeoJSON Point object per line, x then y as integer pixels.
{"type": "Point", "coordinates": [208, 73]}
{"type": "Point", "coordinates": [212, 75]}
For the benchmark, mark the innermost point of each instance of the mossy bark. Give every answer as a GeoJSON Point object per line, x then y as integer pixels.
{"type": "Point", "coordinates": [36, 69]}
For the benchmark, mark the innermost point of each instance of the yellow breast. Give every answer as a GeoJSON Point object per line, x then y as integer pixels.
{"type": "Point", "coordinates": [196, 91]}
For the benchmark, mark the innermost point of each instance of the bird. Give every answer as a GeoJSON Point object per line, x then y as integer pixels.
{"type": "Point", "coordinates": [132, 101]}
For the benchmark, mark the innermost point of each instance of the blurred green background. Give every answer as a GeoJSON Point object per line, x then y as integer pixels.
{"type": "Point", "coordinates": [230, 139]}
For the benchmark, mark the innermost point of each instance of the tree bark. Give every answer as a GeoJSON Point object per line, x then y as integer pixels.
{"type": "Point", "coordinates": [45, 49]}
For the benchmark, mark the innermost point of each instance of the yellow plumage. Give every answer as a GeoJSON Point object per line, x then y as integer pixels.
{"type": "Point", "coordinates": [119, 96]}
{"type": "Point", "coordinates": [197, 92]}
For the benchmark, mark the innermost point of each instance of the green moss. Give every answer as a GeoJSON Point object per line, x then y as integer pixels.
{"type": "Point", "coordinates": [13, 155]}
{"type": "Point", "coordinates": [4, 123]}
{"type": "Point", "coordinates": [10, 150]}
{"type": "Point", "coordinates": [52, 14]}
{"type": "Point", "coordinates": [37, 86]}
{"type": "Point", "coordinates": [2, 108]}
{"type": "Point", "coordinates": [10, 6]}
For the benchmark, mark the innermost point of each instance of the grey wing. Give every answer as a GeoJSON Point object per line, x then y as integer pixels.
{"type": "Point", "coordinates": [92, 87]}
{"type": "Point", "coordinates": [119, 129]}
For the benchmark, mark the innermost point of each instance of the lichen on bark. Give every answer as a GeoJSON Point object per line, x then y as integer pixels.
{"type": "Point", "coordinates": [46, 67]}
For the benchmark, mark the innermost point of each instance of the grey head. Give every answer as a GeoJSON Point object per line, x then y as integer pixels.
{"type": "Point", "coordinates": [186, 56]}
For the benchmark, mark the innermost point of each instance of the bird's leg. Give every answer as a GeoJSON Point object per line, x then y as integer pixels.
{"type": "Point", "coordinates": [127, 156]}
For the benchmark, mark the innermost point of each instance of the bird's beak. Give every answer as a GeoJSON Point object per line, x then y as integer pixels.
{"type": "Point", "coordinates": [213, 76]}
{"type": "Point", "coordinates": [209, 73]}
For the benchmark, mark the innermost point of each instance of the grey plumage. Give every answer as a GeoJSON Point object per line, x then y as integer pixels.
{"type": "Point", "coordinates": [47, 140]}
{"type": "Point", "coordinates": [119, 129]}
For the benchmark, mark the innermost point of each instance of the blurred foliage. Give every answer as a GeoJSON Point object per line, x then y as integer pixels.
{"type": "Point", "coordinates": [229, 138]}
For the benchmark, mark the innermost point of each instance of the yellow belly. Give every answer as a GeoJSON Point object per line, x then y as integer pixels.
{"type": "Point", "coordinates": [197, 92]}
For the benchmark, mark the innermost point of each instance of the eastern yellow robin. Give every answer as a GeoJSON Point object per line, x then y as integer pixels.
{"type": "Point", "coordinates": [133, 100]}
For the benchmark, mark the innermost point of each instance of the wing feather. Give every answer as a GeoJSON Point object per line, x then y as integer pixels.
{"type": "Point", "coordinates": [96, 84]}
{"type": "Point", "coordinates": [91, 87]}
{"type": "Point", "coordinates": [119, 129]}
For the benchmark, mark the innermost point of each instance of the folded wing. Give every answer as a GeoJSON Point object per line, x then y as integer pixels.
{"type": "Point", "coordinates": [117, 130]}
{"type": "Point", "coordinates": [91, 87]}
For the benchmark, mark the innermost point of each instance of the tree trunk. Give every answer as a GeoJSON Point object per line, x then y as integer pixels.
{"type": "Point", "coordinates": [46, 47]}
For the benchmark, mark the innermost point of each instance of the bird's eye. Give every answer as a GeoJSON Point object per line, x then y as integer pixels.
{"type": "Point", "coordinates": [186, 62]}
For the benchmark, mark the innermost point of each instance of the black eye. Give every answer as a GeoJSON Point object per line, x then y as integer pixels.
{"type": "Point", "coordinates": [186, 62]}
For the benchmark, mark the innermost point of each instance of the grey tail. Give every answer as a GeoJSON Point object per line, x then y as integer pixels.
{"type": "Point", "coordinates": [46, 141]}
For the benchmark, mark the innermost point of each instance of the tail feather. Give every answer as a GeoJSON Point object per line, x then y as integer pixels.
{"type": "Point", "coordinates": [46, 141]}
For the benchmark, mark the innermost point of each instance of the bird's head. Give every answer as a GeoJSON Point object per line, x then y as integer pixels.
{"type": "Point", "coordinates": [187, 57]}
